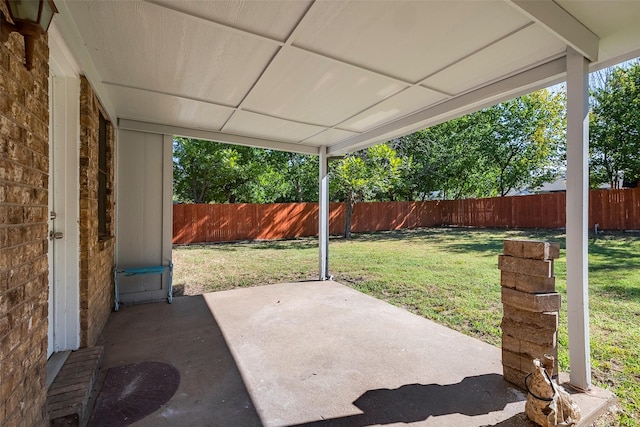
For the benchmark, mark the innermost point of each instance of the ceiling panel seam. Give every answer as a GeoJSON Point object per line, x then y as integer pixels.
{"type": "Point", "coordinates": [215, 23]}
{"type": "Point", "coordinates": [421, 82]}
{"type": "Point", "coordinates": [336, 126]}
{"type": "Point", "coordinates": [273, 116]}
{"type": "Point", "coordinates": [176, 95]}
{"type": "Point", "coordinates": [502, 89]}
{"type": "Point", "coordinates": [511, 74]}
{"type": "Point", "coordinates": [270, 62]}
{"type": "Point", "coordinates": [290, 42]}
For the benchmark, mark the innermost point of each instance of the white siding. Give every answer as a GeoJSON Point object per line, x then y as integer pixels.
{"type": "Point", "coordinates": [143, 212]}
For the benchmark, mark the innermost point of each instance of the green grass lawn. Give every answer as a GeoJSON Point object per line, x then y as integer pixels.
{"type": "Point", "coordinates": [449, 275]}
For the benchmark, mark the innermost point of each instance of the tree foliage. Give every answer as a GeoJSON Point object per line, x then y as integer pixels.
{"type": "Point", "coordinates": [212, 172]}
{"type": "Point", "coordinates": [364, 176]}
{"type": "Point", "coordinates": [514, 145]}
{"type": "Point", "coordinates": [614, 131]}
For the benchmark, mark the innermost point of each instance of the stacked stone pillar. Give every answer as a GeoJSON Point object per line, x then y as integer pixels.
{"type": "Point", "coordinates": [530, 306]}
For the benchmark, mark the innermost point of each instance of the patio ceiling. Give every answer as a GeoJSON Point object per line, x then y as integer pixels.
{"type": "Point", "coordinates": [297, 75]}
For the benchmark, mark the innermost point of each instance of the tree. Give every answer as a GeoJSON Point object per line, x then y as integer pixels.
{"type": "Point", "coordinates": [443, 161]}
{"type": "Point", "coordinates": [206, 171]}
{"type": "Point", "coordinates": [362, 175]}
{"type": "Point", "coordinates": [212, 172]}
{"type": "Point", "coordinates": [513, 145]}
{"type": "Point", "coordinates": [521, 140]}
{"type": "Point", "coordinates": [614, 129]}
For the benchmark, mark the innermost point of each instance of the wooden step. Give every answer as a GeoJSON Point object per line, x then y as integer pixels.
{"type": "Point", "coordinates": [68, 396]}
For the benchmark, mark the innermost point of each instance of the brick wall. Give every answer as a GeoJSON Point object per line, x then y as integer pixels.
{"type": "Point", "coordinates": [24, 164]}
{"type": "Point", "coordinates": [96, 253]}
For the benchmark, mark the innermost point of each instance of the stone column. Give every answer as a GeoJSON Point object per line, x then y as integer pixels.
{"type": "Point", "coordinates": [530, 306]}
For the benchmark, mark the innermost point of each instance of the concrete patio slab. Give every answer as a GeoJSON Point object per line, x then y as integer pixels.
{"type": "Point", "coordinates": [314, 353]}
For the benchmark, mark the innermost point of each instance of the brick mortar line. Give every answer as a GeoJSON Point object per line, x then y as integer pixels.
{"type": "Point", "coordinates": [9, 118]}
{"type": "Point", "coordinates": [22, 205]}
{"type": "Point", "coordinates": [21, 184]}
{"type": "Point", "coordinates": [12, 161]}
{"type": "Point", "coordinates": [24, 104]}
{"type": "Point", "coordinates": [24, 145]}
{"type": "Point", "coordinates": [31, 260]}
{"type": "Point", "coordinates": [27, 301]}
{"type": "Point", "coordinates": [23, 224]}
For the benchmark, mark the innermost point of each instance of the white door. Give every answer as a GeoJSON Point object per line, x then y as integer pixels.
{"type": "Point", "coordinates": [64, 244]}
{"type": "Point", "coordinates": [51, 253]}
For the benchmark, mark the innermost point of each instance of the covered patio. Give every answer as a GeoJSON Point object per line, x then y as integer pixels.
{"type": "Point", "coordinates": [328, 78]}
{"type": "Point", "coordinates": [317, 77]}
{"type": "Point", "coordinates": [315, 353]}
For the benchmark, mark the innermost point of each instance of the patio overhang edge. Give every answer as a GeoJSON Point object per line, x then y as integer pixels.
{"type": "Point", "coordinates": [561, 24]}
{"type": "Point", "coordinates": [135, 125]}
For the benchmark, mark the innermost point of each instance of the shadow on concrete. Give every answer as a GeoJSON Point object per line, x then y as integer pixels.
{"type": "Point", "coordinates": [477, 395]}
{"type": "Point", "coordinates": [185, 335]}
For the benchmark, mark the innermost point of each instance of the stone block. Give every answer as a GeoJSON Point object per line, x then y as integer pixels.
{"type": "Point", "coordinates": [528, 350]}
{"type": "Point", "coordinates": [532, 334]}
{"type": "Point", "coordinates": [538, 303]}
{"type": "Point", "coordinates": [545, 321]}
{"type": "Point", "coordinates": [522, 363]}
{"type": "Point", "coordinates": [514, 376]}
{"type": "Point", "coordinates": [529, 267]}
{"type": "Point", "coordinates": [516, 345]}
{"type": "Point", "coordinates": [529, 284]}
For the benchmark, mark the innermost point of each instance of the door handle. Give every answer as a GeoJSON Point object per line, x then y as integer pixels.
{"type": "Point", "coordinates": [55, 235]}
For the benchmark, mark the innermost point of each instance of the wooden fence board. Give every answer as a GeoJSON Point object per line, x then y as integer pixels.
{"type": "Point", "coordinates": [610, 209]}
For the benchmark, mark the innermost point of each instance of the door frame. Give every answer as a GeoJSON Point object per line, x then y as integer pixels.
{"type": "Point", "coordinates": [64, 151]}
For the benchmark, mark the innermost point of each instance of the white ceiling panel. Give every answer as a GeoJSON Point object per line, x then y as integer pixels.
{"type": "Point", "coordinates": [411, 99]}
{"type": "Point", "coordinates": [261, 126]}
{"type": "Point", "coordinates": [311, 89]}
{"type": "Point", "coordinates": [275, 19]}
{"type": "Point", "coordinates": [360, 69]}
{"type": "Point", "coordinates": [329, 137]}
{"type": "Point", "coordinates": [500, 59]}
{"type": "Point", "coordinates": [165, 109]}
{"type": "Point", "coordinates": [173, 54]}
{"type": "Point", "coordinates": [416, 36]}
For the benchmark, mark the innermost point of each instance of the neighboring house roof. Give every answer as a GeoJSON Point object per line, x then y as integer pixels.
{"type": "Point", "coordinates": [346, 74]}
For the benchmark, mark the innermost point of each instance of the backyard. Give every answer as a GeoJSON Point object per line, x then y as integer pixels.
{"type": "Point", "coordinates": [449, 275]}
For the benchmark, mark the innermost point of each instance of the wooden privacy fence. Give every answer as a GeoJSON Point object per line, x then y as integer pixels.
{"type": "Point", "coordinates": [610, 209]}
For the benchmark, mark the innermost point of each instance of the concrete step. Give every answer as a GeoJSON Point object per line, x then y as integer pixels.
{"type": "Point", "coordinates": [68, 395]}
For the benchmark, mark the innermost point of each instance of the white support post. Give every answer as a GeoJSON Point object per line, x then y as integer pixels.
{"type": "Point", "coordinates": [578, 218]}
{"type": "Point", "coordinates": [323, 214]}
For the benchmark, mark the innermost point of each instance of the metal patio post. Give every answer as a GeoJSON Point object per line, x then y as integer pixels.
{"type": "Point", "coordinates": [323, 214]}
{"type": "Point", "coordinates": [577, 221]}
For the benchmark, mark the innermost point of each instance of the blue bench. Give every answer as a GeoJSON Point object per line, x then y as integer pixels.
{"type": "Point", "coordinates": [137, 271]}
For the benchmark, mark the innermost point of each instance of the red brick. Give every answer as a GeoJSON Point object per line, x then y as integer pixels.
{"type": "Point", "coordinates": [23, 197]}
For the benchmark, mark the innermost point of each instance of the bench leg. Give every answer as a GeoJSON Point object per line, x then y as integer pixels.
{"type": "Point", "coordinates": [170, 294]}
{"type": "Point", "coordinates": [116, 303]}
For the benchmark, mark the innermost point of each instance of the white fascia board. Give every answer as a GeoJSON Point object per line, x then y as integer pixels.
{"type": "Point", "coordinates": [561, 24]}
{"type": "Point", "coordinates": [61, 59]}
{"type": "Point", "coordinates": [139, 126]}
{"type": "Point", "coordinates": [528, 81]}
{"type": "Point", "coordinates": [71, 35]}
